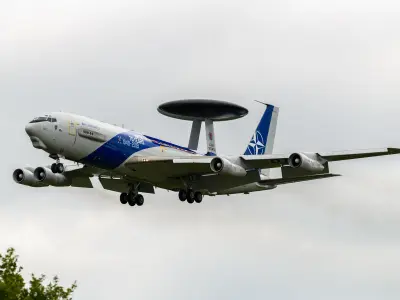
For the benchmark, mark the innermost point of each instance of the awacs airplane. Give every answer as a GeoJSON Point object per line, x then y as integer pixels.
{"type": "Point", "coordinates": [132, 163]}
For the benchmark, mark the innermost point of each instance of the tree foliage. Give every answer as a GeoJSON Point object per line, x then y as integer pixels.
{"type": "Point", "coordinates": [13, 287]}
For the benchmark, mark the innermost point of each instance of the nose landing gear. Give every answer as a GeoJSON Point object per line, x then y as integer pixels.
{"type": "Point", "coordinates": [57, 168]}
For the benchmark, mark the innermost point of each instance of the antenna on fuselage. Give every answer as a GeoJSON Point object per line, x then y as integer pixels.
{"type": "Point", "coordinates": [202, 110]}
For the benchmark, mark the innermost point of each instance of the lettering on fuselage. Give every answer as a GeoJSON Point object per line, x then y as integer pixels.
{"type": "Point", "coordinates": [90, 125]}
{"type": "Point", "coordinates": [211, 147]}
{"type": "Point", "coordinates": [131, 141]}
{"type": "Point", "coordinates": [91, 135]}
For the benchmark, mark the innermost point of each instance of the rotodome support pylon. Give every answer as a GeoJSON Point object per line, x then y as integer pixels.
{"type": "Point", "coordinates": [202, 110]}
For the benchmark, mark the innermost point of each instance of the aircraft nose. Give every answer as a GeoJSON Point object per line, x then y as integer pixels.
{"type": "Point", "coordinates": [29, 128]}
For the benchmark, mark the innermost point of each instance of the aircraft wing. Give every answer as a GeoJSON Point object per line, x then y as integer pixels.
{"type": "Point", "coordinates": [279, 181]}
{"type": "Point", "coordinates": [122, 186]}
{"type": "Point", "coordinates": [275, 160]}
{"type": "Point", "coordinates": [200, 165]}
{"type": "Point", "coordinates": [171, 166]}
{"type": "Point", "coordinates": [80, 177]}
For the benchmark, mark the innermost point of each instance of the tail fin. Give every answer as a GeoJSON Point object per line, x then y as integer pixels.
{"type": "Point", "coordinates": [262, 141]}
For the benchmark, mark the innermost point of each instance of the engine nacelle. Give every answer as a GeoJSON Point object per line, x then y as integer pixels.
{"type": "Point", "coordinates": [45, 175]}
{"type": "Point", "coordinates": [305, 161]}
{"type": "Point", "coordinates": [26, 177]}
{"type": "Point", "coordinates": [225, 167]}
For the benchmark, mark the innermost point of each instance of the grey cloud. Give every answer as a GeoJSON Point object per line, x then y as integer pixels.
{"type": "Point", "coordinates": [331, 67]}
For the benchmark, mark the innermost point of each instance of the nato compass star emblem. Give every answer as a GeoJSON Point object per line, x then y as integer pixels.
{"type": "Point", "coordinates": [256, 145]}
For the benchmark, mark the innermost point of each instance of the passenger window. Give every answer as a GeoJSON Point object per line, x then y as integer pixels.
{"type": "Point", "coordinates": [54, 120]}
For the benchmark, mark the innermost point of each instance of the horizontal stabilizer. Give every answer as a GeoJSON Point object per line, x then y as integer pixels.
{"type": "Point", "coordinates": [279, 181]}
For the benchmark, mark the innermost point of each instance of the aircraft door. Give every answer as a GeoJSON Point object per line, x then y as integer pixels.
{"type": "Point", "coordinates": [72, 128]}
{"type": "Point", "coordinates": [54, 127]}
{"type": "Point", "coordinates": [72, 132]}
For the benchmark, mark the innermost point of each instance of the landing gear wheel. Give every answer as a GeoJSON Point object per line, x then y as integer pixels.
{"type": "Point", "coordinates": [60, 168]}
{"type": "Point", "coordinates": [190, 196]}
{"type": "Point", "coordinates": [139, 200]}
{"type": "Point", "coordinates": [123, 198]}
{"type": "Point", "coordinates": [131, 199]}
{"type": "Point", "coordinates": [182, 195]}
{"type": "Point", "coordinates": [198, 197]}
{"type": "Point", "coordinates": [54, 168]}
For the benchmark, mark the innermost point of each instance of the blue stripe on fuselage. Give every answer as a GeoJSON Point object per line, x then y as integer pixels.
{"type": "Point", "coordinates": [118, 149]}
{"type": "Point", "coordinates": [170, 145]}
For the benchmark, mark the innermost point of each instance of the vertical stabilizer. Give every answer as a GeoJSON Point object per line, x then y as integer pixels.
{"type": "Point", "coordinates": [262, 140]}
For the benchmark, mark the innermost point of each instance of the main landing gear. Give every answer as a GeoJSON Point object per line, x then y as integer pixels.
{"type": "Point", "coordinates": [132, 199]}
{"type": "Point", "coordinates": [190, 195]}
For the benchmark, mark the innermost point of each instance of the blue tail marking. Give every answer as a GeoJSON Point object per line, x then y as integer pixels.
{"type": "Point", "coordinates": [258, 142]}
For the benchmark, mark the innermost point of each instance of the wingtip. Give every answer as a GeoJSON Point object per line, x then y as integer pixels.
{"type": "Point", "coordinates": [393, 150]}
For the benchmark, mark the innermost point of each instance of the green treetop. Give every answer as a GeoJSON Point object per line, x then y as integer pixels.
{"type": "Point", "coordinates": [13, 287]}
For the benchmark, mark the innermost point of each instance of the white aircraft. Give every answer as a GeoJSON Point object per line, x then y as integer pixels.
{"type": "Point", "coordinates": [132, 163]}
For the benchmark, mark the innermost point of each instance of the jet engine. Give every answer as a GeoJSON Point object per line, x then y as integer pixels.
{"type": "Point", "coordinates": [26, 177]}
{"type": "Point", "coordinates": [307, 161]}
{"type": "Point", "coordinates": [45, 175]}
{"type": "Point", "coordinates": [225, 167]}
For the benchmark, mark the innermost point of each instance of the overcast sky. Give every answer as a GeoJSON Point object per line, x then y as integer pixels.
{"type": "Point", "coordinates": [331, 66]}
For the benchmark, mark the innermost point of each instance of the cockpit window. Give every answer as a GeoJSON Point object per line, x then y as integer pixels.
{"type": "Point", "coordinates": [39, 119]}
{"type": "Point", "coordinates": [46, 118]}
